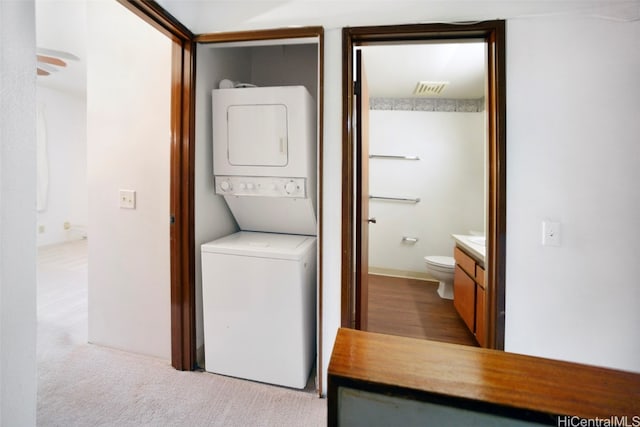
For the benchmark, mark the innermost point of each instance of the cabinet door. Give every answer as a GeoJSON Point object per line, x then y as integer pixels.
{"type": "Point", "coordinates": [467, 263]}
{"type": "Point", "coordinates": [480, 279]}
{"type": "Point", "coordinates": [464, 294]}
{"type": "Point", "coordinates": [480, 316]}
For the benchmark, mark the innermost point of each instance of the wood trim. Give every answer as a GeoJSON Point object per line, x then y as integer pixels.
{"type": "Point", "coordinates": [362, 194]}
{"type": "Point", "coordinates": [183, 328]}
{"type": "Point", "coordinates": [347, 316]}
{"type": "Point", "coordinates": [497, 226]}
{"type": "Point", "coordinates": [413, 32]}
{"type": "Point", "coordinates": [154, 14]}
{"type": "Point", "coordinates": [253, 35]}
{"type": "Point", "coordinates": [494, 33]}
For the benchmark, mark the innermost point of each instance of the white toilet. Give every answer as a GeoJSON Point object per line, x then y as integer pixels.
{"type": "Point", "coordinates": [441, 268]}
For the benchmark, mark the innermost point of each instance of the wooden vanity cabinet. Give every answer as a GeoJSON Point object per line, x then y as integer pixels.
{"type": "Point", "coordinates": [480, 314]}
{"type": "Point", "coordinates": [469, 294]}
{"type": "Point", "coordinates": [464, 297]}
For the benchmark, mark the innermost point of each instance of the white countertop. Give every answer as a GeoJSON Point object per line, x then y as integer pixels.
{"type": "Point", "coordinates": [472, 245]}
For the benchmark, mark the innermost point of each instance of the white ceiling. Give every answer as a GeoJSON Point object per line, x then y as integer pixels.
{"type": "Point", "coordinates": [207, 16]}
{"type": "Point", "coordinates": [393, 71]}
{"type": "Point", "coordinates": [61, 25]}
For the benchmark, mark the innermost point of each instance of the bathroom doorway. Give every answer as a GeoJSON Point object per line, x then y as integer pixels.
{"type": "Point", "coordinates": [409, 207]}
{"type": "Point", "coordinates": [426, 175]}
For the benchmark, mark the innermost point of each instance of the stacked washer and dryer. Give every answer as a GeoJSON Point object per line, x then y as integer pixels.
{"type": "Point", "coordinates": [259, 284]}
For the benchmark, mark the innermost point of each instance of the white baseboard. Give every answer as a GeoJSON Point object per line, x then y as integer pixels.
{"type": "Point", "coordinates": [200, 356]}
{"type": "Point", "coordinates": [390, 272]}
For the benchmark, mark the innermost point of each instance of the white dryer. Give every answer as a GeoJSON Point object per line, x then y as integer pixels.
{"type": "Point", "coordinates": [259, 307]}
{"type": "Point", "coordinates": [264, 157]}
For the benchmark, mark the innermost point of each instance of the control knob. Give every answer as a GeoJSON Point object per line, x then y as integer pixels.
{"type": "Point", "coordinates": [290, 187]}
{"type": "Point", "coordinates": [225, 186]}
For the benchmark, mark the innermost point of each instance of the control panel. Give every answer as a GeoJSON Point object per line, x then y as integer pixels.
{"type": "Point", "coordinates": [260, 186]}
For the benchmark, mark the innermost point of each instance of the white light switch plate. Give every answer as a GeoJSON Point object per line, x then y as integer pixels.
{"type": "Point", "coordinates": [550, 233]}
{"type": "Point", "coordinates": [127, 199]}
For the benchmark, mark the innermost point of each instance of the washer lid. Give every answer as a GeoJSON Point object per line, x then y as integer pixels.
{"type": "Point", "coordinates": [441, 261]}
{"type": "Point", "coordinates": [263, 245]}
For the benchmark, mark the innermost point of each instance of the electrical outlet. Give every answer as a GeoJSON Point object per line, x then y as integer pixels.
{"type": "Point", "coordinates": [550, 233]}
{"type": "Point", "coordinates": [66, 225]}
{"type": "Point", "coordinates": [41, 229]}
{"type": "Point", "coordinates": [128, 199]}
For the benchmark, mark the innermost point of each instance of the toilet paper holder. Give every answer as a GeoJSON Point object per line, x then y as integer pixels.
{"type": "Point", "coordinates": [411, 240]}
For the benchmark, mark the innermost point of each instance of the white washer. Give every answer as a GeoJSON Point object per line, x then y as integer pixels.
{"type": "Point", "coordinates": [259, 306]}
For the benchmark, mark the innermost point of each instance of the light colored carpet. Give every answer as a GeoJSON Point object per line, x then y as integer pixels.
{"type": "Point", "coordinates": [87, 385]}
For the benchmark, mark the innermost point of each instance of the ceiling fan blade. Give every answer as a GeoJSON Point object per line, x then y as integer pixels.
{"type": "Point", "coordinates": [57, 54]}
{"type": "Point", "coordinates": [42, 72]}
{"type": "Point", "coordinates": [47, 68]}
{"type": "Point", "coordinates": [51, 60]}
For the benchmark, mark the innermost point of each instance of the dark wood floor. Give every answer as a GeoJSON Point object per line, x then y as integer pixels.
{"type": "Point", "coordinates": [413, 308]}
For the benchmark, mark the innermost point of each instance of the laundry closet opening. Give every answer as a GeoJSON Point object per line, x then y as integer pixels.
{"type": "Point", "coordinates": [258, 207]}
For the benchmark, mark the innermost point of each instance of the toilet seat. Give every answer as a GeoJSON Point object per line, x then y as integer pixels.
{"type": "Point", "coordinates": [441, 261]}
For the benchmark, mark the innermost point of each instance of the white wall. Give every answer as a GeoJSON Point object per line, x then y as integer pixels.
{"type": "Point", "coordinates": [66, 146]}
{"type": "Point", "coordinates": [332, 202]}
{"type": "Point", "coordinates": [128, 126]}
{"type": "Point", "coordinates": [213, 219]}
{"type": "Point", "coordinates": [17, 214]}
{"type": "Point", "coordinates": [572, 156]}
{"type": "Point", "coordinates": [448, 179]}
{"type": "Point", "coordinates": [286, 65]}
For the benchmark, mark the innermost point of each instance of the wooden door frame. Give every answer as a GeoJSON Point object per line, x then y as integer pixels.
{"type": "Point", "coordinates": [182, 234]}
{"type": "Point", "coordinates": [493, 32]}
{"type": "Point", "coordinates": [361, 94]}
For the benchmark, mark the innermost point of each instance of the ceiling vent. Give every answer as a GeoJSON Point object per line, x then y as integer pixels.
{"type": "Point", "coordinates": [426, 88]}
